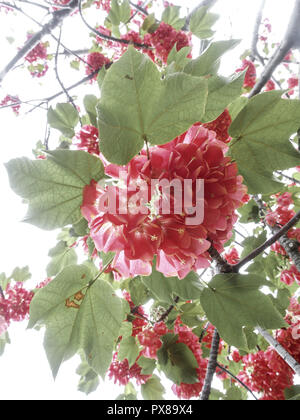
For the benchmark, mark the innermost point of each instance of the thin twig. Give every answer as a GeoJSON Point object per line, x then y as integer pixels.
{"type": "Point", "coordinates": [239, 233]}
{"type": "Point", "coordinates": [169, 310]}
{"type": "Point", "coordinates": [75, 85]}
{"type": "Point", "coordinates": [140, 9]}
{"type": "Point", "coordinates": [32, 3]}
{"type": "Point", "coordinates": [288, 177]}
{"type": "Point", "coordinates": [68, 50]}
{"type": "Point", "coordinates": [135, 312]}
{"type": "Point", "coordinates": [69, 97]}
{"type": "Point", "coordinates": [237, 380]}
{"type": "Point", "coordinates": [108, 37]}
{"type": "Point", "coordinates": [57, 18]}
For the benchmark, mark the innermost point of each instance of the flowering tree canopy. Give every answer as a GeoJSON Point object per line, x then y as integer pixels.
{"type": "Point", "coordinates": [177, 194]}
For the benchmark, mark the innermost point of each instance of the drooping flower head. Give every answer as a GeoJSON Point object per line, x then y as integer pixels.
{"type": "Point", "coordinates": [136, 237]}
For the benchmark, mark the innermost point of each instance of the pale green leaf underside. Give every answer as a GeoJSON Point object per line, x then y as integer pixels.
{"type": "Point", "coordinates": [62, 256]}
{"type": "Point", "coordinates": [221, 92]}
{"type": "Point", "coordinates": [64, 118]}
{"type": "Point", "coordinates": [137, 106]}
{"type": "Point", "coordinates": [93, 327]}
{"type": "Point", "coordinates": [128, 350]}
{"type": "Point", "coordinates": [234, 301]}
{"type": "Point", "coordinates": [261, 144]}
{"type": "Point", "coordinates": [53, 187]}
{"type": "Point", "coordinates": [119, 12]}
{"type": "Point", "coordinates": [171, 16]}
{"type": "Point", "coordinates": [201, 23]}
{"type": "Point", "coordinates": [208, 62]}
{"type": "Point", "coordinates": [165, 288]}
{"type": "Point", "coordinates": [153, 389]}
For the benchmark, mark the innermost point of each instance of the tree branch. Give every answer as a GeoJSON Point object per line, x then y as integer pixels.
{"type": "Point", "coordinates": [291, 247]}
{"type": "Point", "coordinates": [277, 236]}
{"type": "Point", "coordinates": [57, 17]}
{"type": "Point", "coordinates": [254, 50]}
{"type": "Point", "coordinates": [280, 350]}
{"type": "Point", "coordinates": [291, 39]}
{"type": "Point", "coordinates": [211, 368]}
{"type": "Point", "coordinates": [222, 265]}
{"type": "Point", "coordinates": [67, 51]}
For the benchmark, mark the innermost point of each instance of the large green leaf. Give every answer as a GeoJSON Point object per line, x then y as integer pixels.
{"type": "Point", "coordinates": [234, 394]}
{"type": "Point", "coordinates": [252, 242]}
{"type": "Point", "coordinates": [128, 350]}
{"type": "Point", "coordinates": [201, 23]}
{"type": "Point", "coordinates": [136, 105]}
{"type": "Point", "coordinates": [90, 102]}
{"type": "Point", "coordinates": [177, 60]}
{"type": "Point", "coordinates": [233, 301]}
{"type": "Point", "coordinates": [20, 275]}
{"type": "Point", "coordinates": [249, 213]}
{"type": "Point", "coordinates": [261, 144]}
{"type": "Point", "coordinates": [119, 12]}
{"type": "Point", "coordinates": [4, 339]}
{"type": "Point", "coordinates": [209, 60]}
{"type": "Point", "coordinates": [147, 365]}
{"type": "Point", "coordinates": [171, 16]}
{"type": "Point", "coordinates": [292, 393]}
{"type": "Point", "coordinates": [53, 187]}
{"type": "Point", "coordinates": [89, 379]}
{"type": "Point", "coordinates": [177, 361]}
{"type": "Point", "coordinates": [61, 256]}
{"type": "Point", "coordinates": [191, 314]}
{"type": "Point", "coordinates": [79, 313]}
{"type": "Point", "coordinates": [64, 118]}
{"type": "Point", "coordinates": [138, 292]}
{"type": "Point", "coordinates": [153, 389]}
{"type": "Point", "coordinates": [4, 281]}
{"type": "Point", "coordinates": [166, 288]}
{"type": "Point", "coordinates": [221, 92]}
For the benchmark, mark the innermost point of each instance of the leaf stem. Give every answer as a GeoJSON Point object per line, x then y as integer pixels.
{"type": "Point", "coordinates": [237, 380]}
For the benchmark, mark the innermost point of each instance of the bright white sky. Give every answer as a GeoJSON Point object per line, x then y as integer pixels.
{"type": "Point", "coordinates": [24, 370]}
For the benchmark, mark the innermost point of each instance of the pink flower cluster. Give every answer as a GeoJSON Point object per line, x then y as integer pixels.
{"type": "Point", "coordinates": [11, 100]}
{"type": "Point", "coordinates": [180, 248]}
{"type": "Point", "coordinates": [250, 77]}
